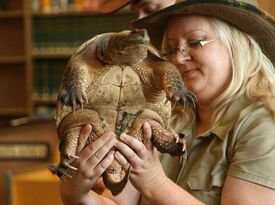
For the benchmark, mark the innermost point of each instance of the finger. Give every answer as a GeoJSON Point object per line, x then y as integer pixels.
{"type": "Point", "coordinates": [104, 164]}
{"type": "Point", "coordinates": [122, 160]}
{"type": "Point", "coordinates": [92, 148]}
{"type": "Point", "coordinates": [84, 134]}
{"type": "Point", "coordinates": [147, 134]}
{"type": "Point", "coordinates": [128, 153]}
{"type": "Point", "coordinates": [136, 145]}
{"type": "Point", "coordinates": [87, 166]}
{"type": "Point", "coordinates": [102, 152]}
{"type": "Point", "coordinates": [99, 168]}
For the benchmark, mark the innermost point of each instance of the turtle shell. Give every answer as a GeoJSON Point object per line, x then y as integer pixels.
{"type": "Point", "coordinates": [113, 83]}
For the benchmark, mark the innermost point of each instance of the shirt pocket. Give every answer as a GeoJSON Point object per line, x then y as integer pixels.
{"type": "Point", "coordinates": [205, 181]}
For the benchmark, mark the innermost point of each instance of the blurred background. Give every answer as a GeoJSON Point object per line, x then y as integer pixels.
{"type": "Point", "coordinates": [37, 38]}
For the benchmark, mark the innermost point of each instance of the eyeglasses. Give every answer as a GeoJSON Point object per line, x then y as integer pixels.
{"type": "Point", "coordinates": [168, 53]}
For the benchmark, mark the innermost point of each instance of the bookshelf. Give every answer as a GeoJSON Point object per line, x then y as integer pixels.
{"type": "Point", "coordinates": [37, 39]}
{"type": "Point", "coordinates": [14, 72]}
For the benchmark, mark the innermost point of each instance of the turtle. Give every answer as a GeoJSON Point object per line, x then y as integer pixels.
{"type": "Point", "coordinates": [115, 82]}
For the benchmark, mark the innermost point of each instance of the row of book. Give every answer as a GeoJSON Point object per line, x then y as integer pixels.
{"type": "Point", "coordinates": [69, 33]}
{"type": "Point", "coordinates": [56, 5]}
{"type": "Point", "coordinates": [47, 79]}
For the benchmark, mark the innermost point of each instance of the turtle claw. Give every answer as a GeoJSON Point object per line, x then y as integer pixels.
{"type": "Point", "coordinates": [66, 164]}
{"type": "Point", "coordinates": [181, 142]}
{"type": "Point", "coordinates": [72, 167]}
{"type": "Point", "coordinates": [73, 157]}
{"type": "Point", "coordinates": [67, 175]}
{"type": "Point", "coordinates": [73, 96]}
{"type": "Point", "coordinates": [69, 159]}
{"type": "Point", "coordinates": [59, 171]}
{"type": "Point", "coordinates": [63, 179]}
{"type": "Point", "coordinates": [62, 173]}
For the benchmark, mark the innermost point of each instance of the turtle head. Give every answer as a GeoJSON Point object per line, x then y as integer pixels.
{"type": "Point", "coordinates": [123, 48]}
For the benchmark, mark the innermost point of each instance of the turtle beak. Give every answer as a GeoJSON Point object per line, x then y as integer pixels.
{"type": "Point", "coordinates": [142, 33]}
{"type": "Point", "coordinates": [145, 41]}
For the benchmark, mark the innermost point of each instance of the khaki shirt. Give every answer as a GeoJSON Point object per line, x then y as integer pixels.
{"type": "Point", "coordinates": [243, 146]}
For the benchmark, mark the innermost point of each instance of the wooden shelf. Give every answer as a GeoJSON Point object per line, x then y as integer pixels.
{"type": "Point", "coordinates": [12, 59]}
{"type": "Point", "coordinates": [13, 111]}
{"type": "Point", "coordinates": [45, 102]}
{"type": "Point", "coordinates": [15, 69]}
{"type": "Point", "coordinates": [50, 55]}
{"type": "Point", "coordinates": [11, 14]}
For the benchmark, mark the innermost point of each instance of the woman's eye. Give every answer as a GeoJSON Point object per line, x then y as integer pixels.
{"type": "Point", "coordinates": [167, 52]}
{"type": "Point", "coordinates": [195, 43]}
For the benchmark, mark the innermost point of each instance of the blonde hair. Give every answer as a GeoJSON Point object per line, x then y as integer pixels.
{"type": "Point", "coordinates": [252, 73]}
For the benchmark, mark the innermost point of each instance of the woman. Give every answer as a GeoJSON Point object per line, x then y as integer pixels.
{"type": "Point", "coordinates": [230, 156]}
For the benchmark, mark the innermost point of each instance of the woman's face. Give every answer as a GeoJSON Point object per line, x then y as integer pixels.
{"type": "Point", "coordinates": [205, 70]}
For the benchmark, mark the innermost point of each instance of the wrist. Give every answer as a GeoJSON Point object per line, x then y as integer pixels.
{"type": "Point", "coordinates": [71, 194]}
{"type": "Point", "coordinates": [155, 186]}
{"type": "Point", "coordinates": [167, 192]}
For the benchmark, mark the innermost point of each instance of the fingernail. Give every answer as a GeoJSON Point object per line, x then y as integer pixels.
{"type": "Point", "coordinates": [122, 136]}
{"type": "Point", "coordinates": [146, 125]}
{"type": "Point", "coordinates": [110, 135]}
{"type": "Point", "coordinates": [112, 152]}
{"type": "Point", "coordinates": [114, 140]}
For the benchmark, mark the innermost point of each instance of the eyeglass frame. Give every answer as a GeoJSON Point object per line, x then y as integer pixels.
{"type": "Point", "coordinates": [172, 51]}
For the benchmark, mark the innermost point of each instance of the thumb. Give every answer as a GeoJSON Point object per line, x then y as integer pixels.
{"type": "Point", "coordinates": [83, 136]}
{"type": "Point", "coordinates": [147, 134]}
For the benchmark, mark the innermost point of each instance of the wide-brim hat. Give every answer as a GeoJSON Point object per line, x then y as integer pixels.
{"type": "Point", "coordinates": [244, 16]}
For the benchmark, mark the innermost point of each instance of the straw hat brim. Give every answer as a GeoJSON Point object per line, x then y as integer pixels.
{"type": "Point", "coordinates": [246, 17]}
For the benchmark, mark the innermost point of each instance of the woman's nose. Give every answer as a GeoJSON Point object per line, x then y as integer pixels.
{"type": "Point", "coordinates": [180, 57]}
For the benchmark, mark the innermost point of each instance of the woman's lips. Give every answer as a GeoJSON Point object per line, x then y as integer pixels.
{"type": "Point", "coordinates": [190, 73]}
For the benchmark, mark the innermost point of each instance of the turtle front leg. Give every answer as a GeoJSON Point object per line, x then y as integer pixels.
{"type": "Point", "coordinates": [168, 78]}
{"type": "Point", "coordinates": [74, 85]}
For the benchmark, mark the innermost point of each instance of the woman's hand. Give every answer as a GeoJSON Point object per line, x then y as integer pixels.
{"type": "Point", "coordinates": [93, 161]}
{"type": "Point", "coordinates": [142, 157]}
